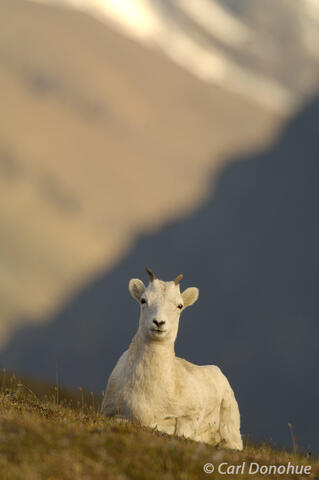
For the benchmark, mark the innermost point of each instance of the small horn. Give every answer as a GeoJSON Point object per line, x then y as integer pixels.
{"type": "Point", "coordinates": [151, 274]}
{"type": "Point", "coordinates": [178, 279]}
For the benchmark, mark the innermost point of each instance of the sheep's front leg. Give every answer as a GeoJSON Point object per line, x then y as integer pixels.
{"type": "Point", "coordinates": [181, 426]}
{"type": "Point", "coordinates": [186, 427]}
{"type": "Point", "coordinates": [165, 425]}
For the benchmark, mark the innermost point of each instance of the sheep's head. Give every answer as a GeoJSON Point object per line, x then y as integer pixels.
{"type": "Point", "coordinates": [161, 305]}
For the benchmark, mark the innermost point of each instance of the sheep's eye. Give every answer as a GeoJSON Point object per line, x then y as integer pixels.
{"type": "Point", "coordinates": [143, 300]}
{"type": "Point", "coordinates": [180, 306]}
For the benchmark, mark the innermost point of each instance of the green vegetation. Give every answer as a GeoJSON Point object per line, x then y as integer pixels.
{"type": "Point", "coordinates": [56, 435]}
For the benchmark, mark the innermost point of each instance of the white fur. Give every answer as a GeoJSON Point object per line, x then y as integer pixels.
{"type": "Point", "coordinates": [153, 387]}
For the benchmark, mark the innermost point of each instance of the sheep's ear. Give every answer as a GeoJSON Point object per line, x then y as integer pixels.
{"type": "Point", "coordinates": [190, 295]}
{"type": "Point", "coordinates": [136, 288]}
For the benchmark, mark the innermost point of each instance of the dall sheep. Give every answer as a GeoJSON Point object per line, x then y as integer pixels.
{"type": "Point", "coordinates": [151, 386]}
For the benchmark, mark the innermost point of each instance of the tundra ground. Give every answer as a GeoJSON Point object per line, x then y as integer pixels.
{"type": "Point", "coordinates": [57, 436]}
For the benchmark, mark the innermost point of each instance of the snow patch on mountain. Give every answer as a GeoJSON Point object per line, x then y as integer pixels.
{"type": "Point", "coordinates": [194, 38]}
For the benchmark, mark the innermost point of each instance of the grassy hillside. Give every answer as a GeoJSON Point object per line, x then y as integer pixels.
{"type": "Point", "coordinates": [46, 437]}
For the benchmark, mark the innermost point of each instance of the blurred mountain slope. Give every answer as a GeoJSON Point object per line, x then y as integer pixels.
{"type": "Point", "coordinates": [100, 139]}
{"type": "Point", "coordinates": [252, 250]}
{"type": "Point", "coordinates": [285, 41]}
{"type": "Point", "coordinates": [267, 51]}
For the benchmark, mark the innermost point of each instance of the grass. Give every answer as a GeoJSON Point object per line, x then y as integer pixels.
{"type": "Point", "coordinates": [57, 436]}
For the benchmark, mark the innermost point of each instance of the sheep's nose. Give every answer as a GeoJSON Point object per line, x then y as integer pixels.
{"type": "Point", "coordinates": [158, 324]}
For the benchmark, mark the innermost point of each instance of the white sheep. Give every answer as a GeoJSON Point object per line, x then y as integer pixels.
{"type": "Point", "coordinates": [153, 387]}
